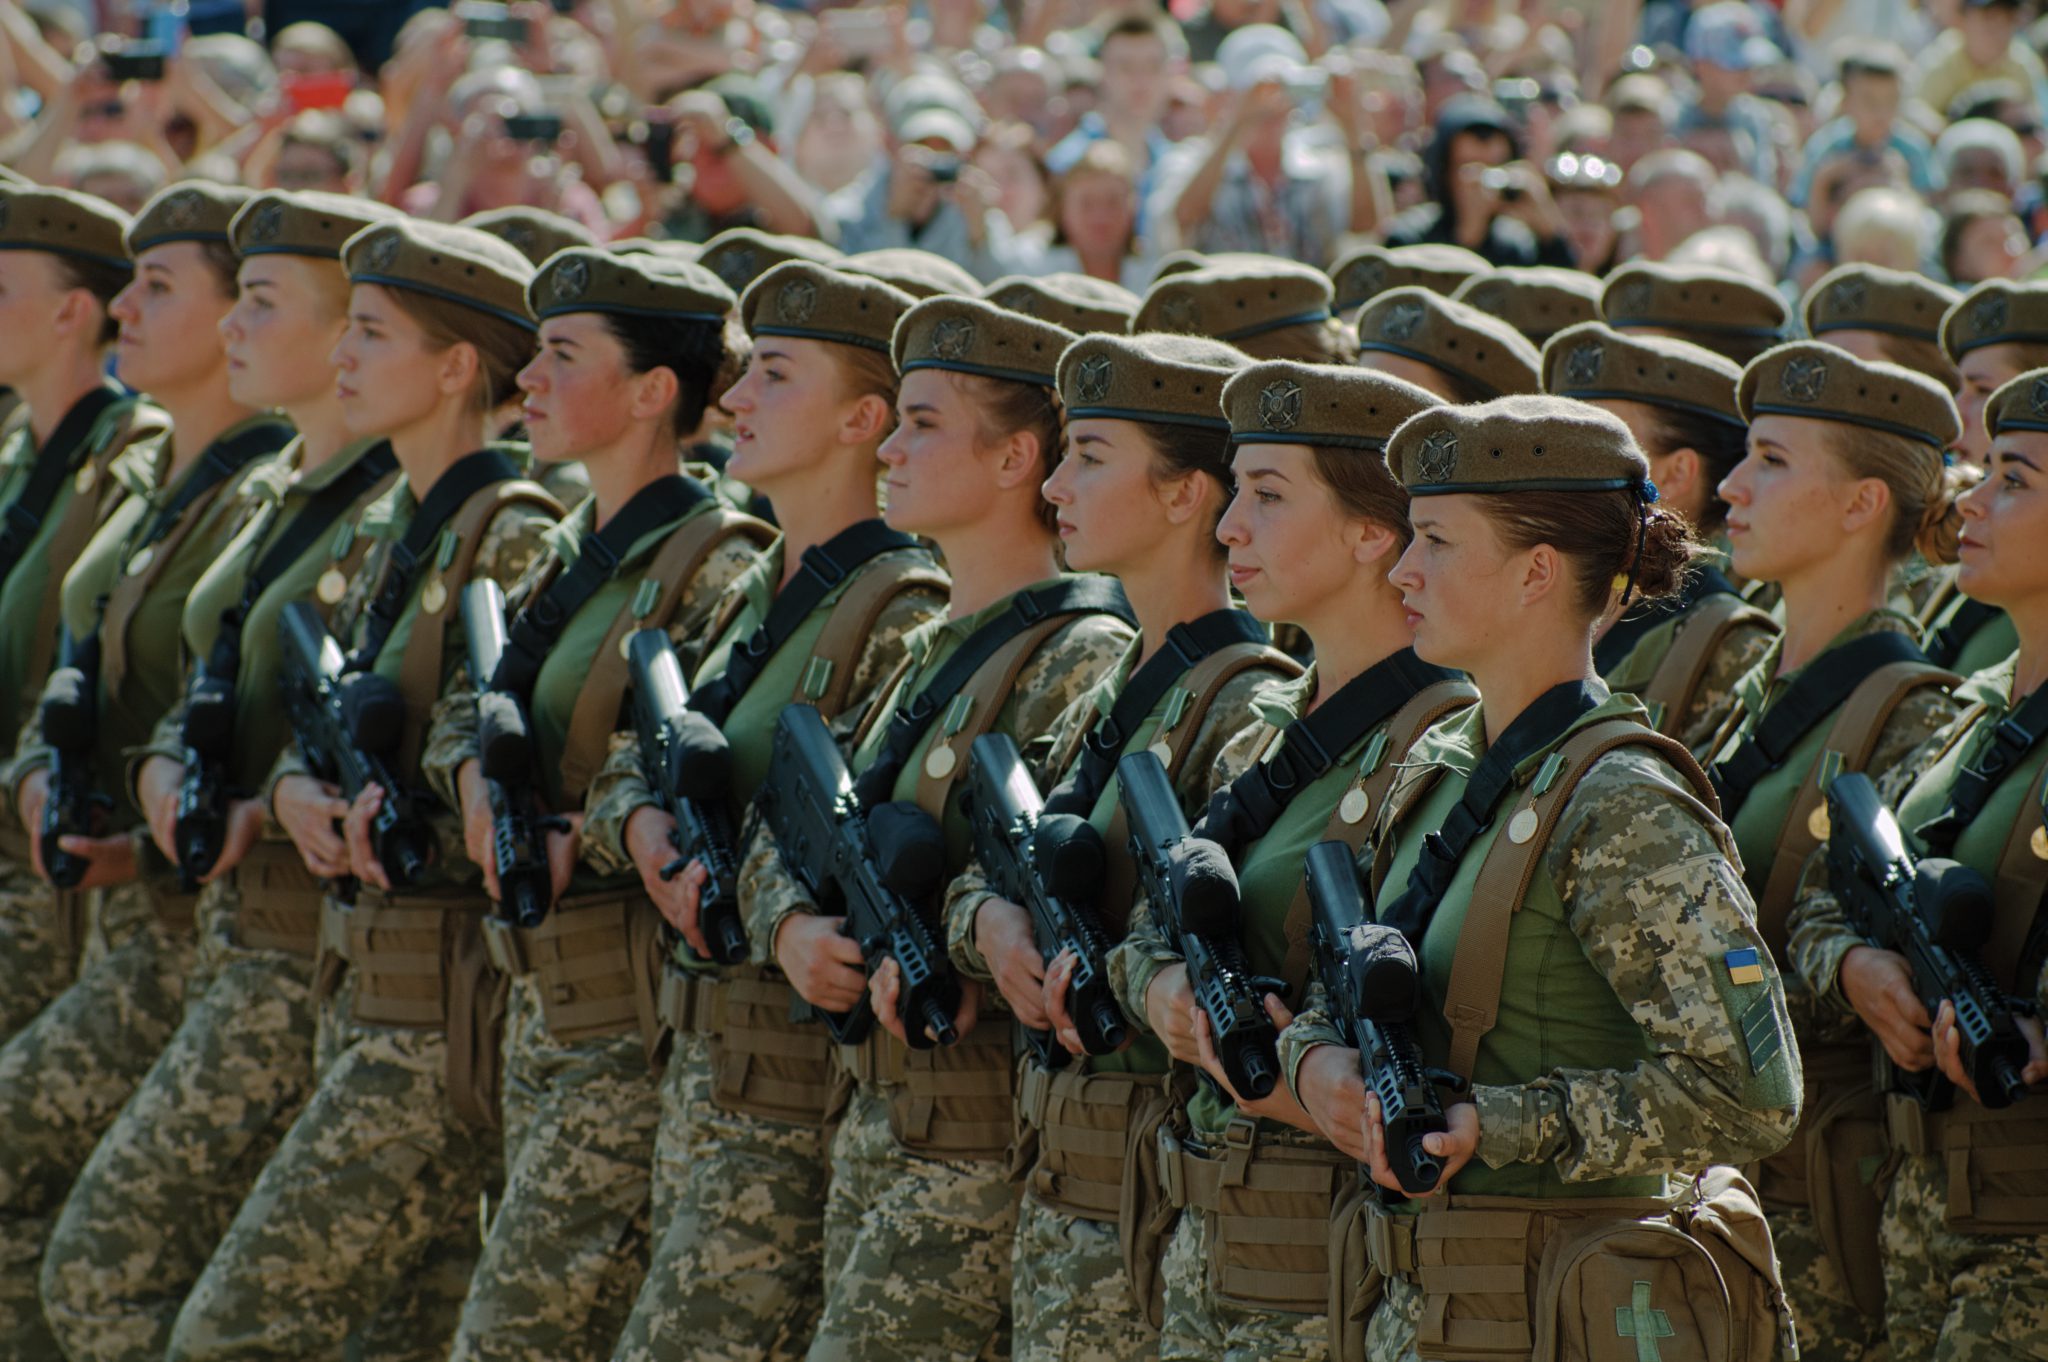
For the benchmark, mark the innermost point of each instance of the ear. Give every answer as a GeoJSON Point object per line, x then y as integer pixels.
{"type": "Point", "coordinates": [1680, 478]}
{"type": "Point", "coordinates": [1869, 503]}
{"type": "Point", "coordinates": [1372, 542]}
{"type": "Point", "coordinates": [78, 310]}
{"type": "Point", "coordinates": [865, 421]}
{"type": "Point", "coordinates": [1185, 496]}
{"type": "Point", "coordinates": [1019, 462]}
{"type": "Point", "coordinates": [1544, 574]}
{"type": "Point", "coordinates": [654, 394]}
{"type": "Point", "coordinates": [457, 373]}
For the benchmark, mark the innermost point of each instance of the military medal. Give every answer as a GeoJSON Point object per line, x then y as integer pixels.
{"type": "Point", "coordinates": [433, 596]}
{"type": "Point", "coordinates": [939, 762]}
{"type": "Point", "coordinates": [1162, 750]}
{"type": "Point", "coordinates": [83, 480]}
{"type": "Point", "coordinates": [1523, 826]}
{"type": "Point", "coordinates": [332, 586]}
{"type": "Point", "coordinates": [139, 564]}
{"type": "Point", "coordinates": [1355, 805]}
{"type": "Point", "coordinates": [2037, 842]}
{"type": "Point", "coordinates": [1817, 824]}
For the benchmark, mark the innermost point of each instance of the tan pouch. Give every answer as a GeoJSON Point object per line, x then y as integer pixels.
{"type": "Point", "coordinates": [1996, 1162]}
{"type": "Point", "coordinates": [763, 1064]}
{"type": "Point", "coordinates": [953, 1101]}
{"type": "Point", "coordinates": [1846, 1151]}
{"type": "Point", "coordinates": [477, 995]}
{"type": "Point", "coordinates": [330, 956]}
{"type": "Point", "coordinates": [1269, 1212]}
{"type": "Point", "coordinates": [1605, 1288]}
{"type": "Point", "coordinates": [1728, 1221]}
{"type": "Point", "coordinates": [1146, 1215]}
{"type": "Point", "coordinates": [1356, 1285]}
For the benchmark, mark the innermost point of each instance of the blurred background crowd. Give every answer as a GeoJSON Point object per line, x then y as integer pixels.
{"type": "Point", "coordinates": [1027, 136]}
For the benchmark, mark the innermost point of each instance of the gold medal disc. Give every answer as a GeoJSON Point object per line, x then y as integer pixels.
{"type": "Point", "coordinates": [1523, 826]}
{"type": "Point", "coordinates": [332, 587]}
{"type": "Point", "coordinates": [433, 596]}
{"type": "Point", "coordinates": [1355, 805]}
{"type": "Point", "coordinates": [939, 762]}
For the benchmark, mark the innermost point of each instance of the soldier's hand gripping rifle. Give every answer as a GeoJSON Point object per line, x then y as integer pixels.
{"type": "Point", "coordinates": [200, 829]}
{"type": "Point", "coordinates": [1051, 865]}
{"type": "Point", "coordinates": [1937, 914]}
{"type": "Point", "coordinates": [688, 765]}
{"type": "Point", "coordinates": [70, 724]}
{"type": "Point", "coordinates": [347, 725]}
{"type": "Point", "coordinates": [1194, 896]}
{"type": "Point", "coordinates": [508, 759]}
{"type": "Point", "coordinates": [1374, 986]}
{"type": "Point", "coordinates": [880, 867]}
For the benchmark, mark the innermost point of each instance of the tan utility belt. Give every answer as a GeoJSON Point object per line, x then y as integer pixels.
{"type": "Point", "coordinates": [763, 1064]}
{"type": "Point", "coordinates": [1996, 1161]}
{"type": "Point", "coordinates": [279, 901]}
{"type": "Point", "coordinates": [951, 1101]}
{"type": "Point", "coordinates": [594, 961]}
{"type": "Point", "coordinates": [1083, 1122]}
{"type": "Point", "coordinates": [397, 948]}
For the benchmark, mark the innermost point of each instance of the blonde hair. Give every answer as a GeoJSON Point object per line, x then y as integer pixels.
{"type": "Point", "coordinates": [1924, 489]}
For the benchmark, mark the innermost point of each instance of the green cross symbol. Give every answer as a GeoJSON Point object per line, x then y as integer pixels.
{"type": "Point", "coordinates": [1638, 1321]}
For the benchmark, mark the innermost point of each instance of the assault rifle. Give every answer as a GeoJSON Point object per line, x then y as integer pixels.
{"type": "Point", "coordinates": [348, 725]}
{"type": "Point", "coordinates": [1937, 914]}
{"type": "Point", "coordinates": [1051, 865]}
{"type": "Point", "coordinates": [1374, 986]}
{"type": "Point", "coordinates": [878, 866]}
{"type": "Point", "coordinates": [689, 767]}
{"type": "Point", "coordinates": [1193, 892]}
{"type": "Point", "coordinates": [508, 759]}
{"type": "Point", "coordinates": [70, 723]}
{"type": "Point", "coordinates": [201, 827]}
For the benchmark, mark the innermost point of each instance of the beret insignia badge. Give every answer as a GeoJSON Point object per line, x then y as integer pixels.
{"type": "Point", "coordinates": [952, 338]}
{"type": "Point", "coordinates": [2038, 398]}
{"type": "Point", "coordinates": [1631, 301]}
{"type": "Point", "coordinates": [267, 222]}
{"type": "Point", "coordinates": [1177, 313]}
{"type": "Point", "coordinates": [1280, 405]}
{"type": "Point", "coordinates": [1850, 296]}
{"type": "Point", "coordinates": [1989, 314]}
{"type": "Point", "coordinates": [182, 209]}
{"type": "Point", "coordinates": [735, 267]}
{"type": "Point", "coordinates": [382, 250]}
{"type": "Point", "coordinates": [1401, 321]}
{"type": "Point", "coordinates": [571, 280]}
{"type": "Point", "coordinates": [797, 300]}
{"type": "Point", "coordinates": [1804, 378]}
{"type": "Point", "coordinates": [1366, 280]}
{"type": "Point", "coordinates": [1092, 378]}
{"type": "Point", "coordinates": [1582, 365]}
{"type": "Point", "coordinates": [1437, 460]}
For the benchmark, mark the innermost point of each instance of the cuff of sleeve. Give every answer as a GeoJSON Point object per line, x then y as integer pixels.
{"type": "Point", "coordinates": [138, 757]}
{"type": "Point", "coordinates": [960, 936]}
{"type": "Point", "coordinates": [1826, 960]}
{"type": "Point", "coordinates": [1307, 1033]}
{"type": "Point", "coordinates": [1139, 972]}
{"type": "Point", "coordinates": [1511, 1123]}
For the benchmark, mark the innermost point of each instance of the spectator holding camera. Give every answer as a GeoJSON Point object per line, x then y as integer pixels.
{"type": "Point", "coordinates": [1487, 200]}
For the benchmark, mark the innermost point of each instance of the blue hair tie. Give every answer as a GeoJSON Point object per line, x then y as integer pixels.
{"type": "Point", "coordinates": [1648, 492]}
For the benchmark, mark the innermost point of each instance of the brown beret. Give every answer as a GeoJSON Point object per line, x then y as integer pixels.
{"type": "Point", "coordinates": [1593, 362]}
{"type": "Point", "coordinates": [1824, 382]}
{"type": "Point", "coordinates": [592, 279]}
{"type": "Point", "coordinates": [1186, 261]}
{"type": "Point", "coordinates": [971, 336]}
{"type": "Point", "coordinates": [303, 222]}
{"type": "Point", "coordinates": [457, 264]}
{"type": "Point", "coordinates": [1720, 309]}
{"type": "Point", "coordinates": [1234, 303]}
{"type": "Point", "coordinates": [918, 273]}
{"type": "Point", "coordinates": [812, 301]}
{"type": "Point", "coordinates": [687, 251]}
{"type": "Point", "coordinates": [1079, 303]}
{"type": "Point", "coordinates": [1177, 380]}
{"type": "Point", "coordinates": [1873, 298]}
{"type": "Point", "coordinates": [1996, 312]}
{"type": "Point", "coordinates": [1284, 402]}
{"type": "Point", "coordinates": [1537, 300]}
{"type": "Point", "coordinates": [1371, 270]}
{"type": "Point", "coordinates": [533, 232]}
{"type": "Point", "coordinates": [191, 210]}
{"type": "Point", "coordinates": [2019, 404]}
{"type": "Point", "coordinates": [61, 222]}
{"type": "Point", "coordinates": [1516, 444]}
{"type": "Point", "coordinates": [1452, 337]}
{"type": "Point", "coordinates": [740, 255]}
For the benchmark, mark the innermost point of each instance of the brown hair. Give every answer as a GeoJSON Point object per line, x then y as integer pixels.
{"type": "Point", "coordinates": [1605, 536]}
{"type": "Point", "coordinates": [1105, 156]}
{"type": "Point", "coordinates": [1720, 444]}
{"type": "Point", "coordinates": [1921, 356]}
{"type": "Point", "coordinates": [705, 357]}
{"type": "Point", "coordinates": [866, 373]}
{"type": "Point", "coordinates": [101, 278]}
{"type": "Point", "coordinates": [1364, 487]}
{"type": "Point", "coordinates": [502, 348]}
{"type": "Point", "coordinates": [1180, 450]}
{"type": "Point", "coordinates": [220, 257]}
{"type": "Point", "coordinates": [1325, 342]}
{"type": "Point", "coordinates": [1006, 407]}
{"type": "Point", "coordinates": [1924, 489]}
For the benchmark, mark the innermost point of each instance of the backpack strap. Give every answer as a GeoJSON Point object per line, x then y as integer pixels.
{"type": "Point", "coordinates": [420, 670]}
{"type": "Point", "coordinates": [2017, 887]}
{"type": "Point", "coordinates": [681, 556]}
{"type": "Point", "coordinates": [1851, 739]}
{"type": "Point", "coordinates": [1472, 999]}
{"type": "Point", "coordinates": [983, 697]}
{"type": "Point", "coordinates": [1698, 641]}
{"type": "Point", "coordinates": [826, 681]}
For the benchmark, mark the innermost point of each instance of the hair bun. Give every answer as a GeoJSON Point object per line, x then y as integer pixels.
{"type": "Point", "coordinates": [1941, 522]}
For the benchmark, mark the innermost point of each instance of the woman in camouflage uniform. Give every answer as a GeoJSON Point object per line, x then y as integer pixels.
{"type": "Point", "coordinates": [365, 1201]}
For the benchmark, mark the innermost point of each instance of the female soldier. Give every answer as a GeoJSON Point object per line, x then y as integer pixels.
{"type": "Point", "coordinates": [1454, 350]}
{"type": "Point", "coordinates": [121, 601]}
{"type": "Point", "coordinates": [1268, 308]}
{"type": "Point", "coordinates": [1138, 496]}
{"type": "Point", "coordinates": [211, 1109]}
{"type": "Point", "coordinates": [390, 1150]}
{"type": "Point", "coordinates": [739, 1173]}
{"type": "Point", "coordinates": [1965, 1225]}
{"type": "Point", "coordinates": [632, 352]}
{"type": "Point", "coordinates": [1680, 656]}
{"type": "Point", "coordinates": [1587, 955]}
{"type": "Point", "coordinates": [61, 262]}
{"type": "Point", "coordinates": [919, 1214]}
{"type": "Point", "coordinates": [1313, 527]}
{"type": "Point", "coordinates": [1844, 477]}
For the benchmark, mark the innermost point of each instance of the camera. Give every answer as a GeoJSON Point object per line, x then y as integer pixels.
{"type": "Point", "coordinates": [1502, 182]}
{"type": "Point", "coordinates": [484, 19]}
{"type": "Point", "coordinates": [533, 127]}
{"type": "Point", "coordinates": [134, 61]}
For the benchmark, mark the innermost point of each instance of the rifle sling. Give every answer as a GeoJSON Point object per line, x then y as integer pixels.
{"type": "Point", "coordinates": [2010, 742]}
{"type": "Point", "coordinates": [23, 517]}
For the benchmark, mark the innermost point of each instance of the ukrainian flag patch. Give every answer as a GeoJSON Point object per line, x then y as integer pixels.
{"type": "Point", "coordinates": [1745, 966]}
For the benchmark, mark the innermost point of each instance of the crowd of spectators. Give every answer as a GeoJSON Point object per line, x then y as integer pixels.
{"type": "Point", "coordinates": [1028, 136]}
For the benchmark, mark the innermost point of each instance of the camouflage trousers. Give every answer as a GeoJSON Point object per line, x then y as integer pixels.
{"type": "Point", "coordinates": [165, 1180]}
{"type": "Point", "coordinates": [917, 1249]}
{"type": "Point", "coordinates": [38, 948]}
{"type": "Point", "coordinates": [63, 1079]}
{"type": "Point", "coordinates": [1952, 1296]}
{"type": "Point", "coordinates": [364, 1222]}
{"type": "Point", "coordinates": [1069, 1293]}
{"type": "Point", "coordinates": [739, 1205]}
{"type": "Point", "coordinates": [1831, 1328]}
{"type": "Point", "coordinates": [1390, 1333]}
{"type": "Point", "coordinates": [568, 1246]}
{"type": "Point", "coordinates": [1199, 1326]}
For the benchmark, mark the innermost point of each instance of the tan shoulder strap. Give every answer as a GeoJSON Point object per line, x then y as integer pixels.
{"type": "Point", "coordinates": [420, 670]}
{"type": "Point", "coordinates": [2017, 886]}
{"type": "Point", "coordinates": [1937, 601]}
{"type": "Point", "coordinates": [1472, 999]}
{"type": "Point", "coordinates": [1349, 822]}
{"type": "Point", "coordinates": [1700, 638]}
{"type": "Point", "coordinates": [1858, 724]}
{"type": "Point", "coordinates": [675, 565]}
{"type": "Point", "coordinates": [984, 693]}
{"type": "Point", "coordinates": [130, 587]}
{"type": "Point", "coordinates": [852, 622]}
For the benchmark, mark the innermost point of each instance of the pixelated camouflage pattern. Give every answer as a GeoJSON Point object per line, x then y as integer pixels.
{"type": "Point", "coordinates": [739, 1205]}
{"type": "Point", "coordinates": [568, 1244]}
{"type": "Point", "coordinates": [1953, 1297]}
{"type": "Point", "coordinates": [1390, 1334]}
{"type": "Point", "coordinates": [1201, 1328]}
{"type": "Point", "coordinates": [1742, 648]}
{"type": "Point", "coordinates": [1829, 1326]}
{"type": "Point", "coordinates": [1069, 1294]}
{"type": "Point", "coordinates": [36, 963]}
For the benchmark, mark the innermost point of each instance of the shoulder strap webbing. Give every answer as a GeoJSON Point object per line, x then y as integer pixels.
{"type": "Point", "coordinates": [2017, 887]}
{"type": "Point", "coordinates": [2009, 743]}
{"type": "Point", "coordinates": [1472, 997]}
{"type": "Point", "coordinates": [1818, 691]}
{"type": "Point", "coordinates": [420, 669]}
{"type": "Point", "coordinates": [1851, 739]}
{"type": "Point", "coordinates": [983, 697]}
{"type": "Point", "coordinates": [1027, 610]}
{"type": "Point", "coordinates": [820, 571]}
{"type": "Point", "coordinates": [596, 711]}
{"type": "Point", "coordinates": [1668, 695]}
{"type": "Point", "coordinates": [1350, 821]}
{"type": "Point", "coordinates": [1944, 643]}
{"type": "Point", "coordinates": [1630, 629]}
{"type": "Point", "coordinates": [836, 654]}
{"type": "Point", "coordinates": [57, 461]}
